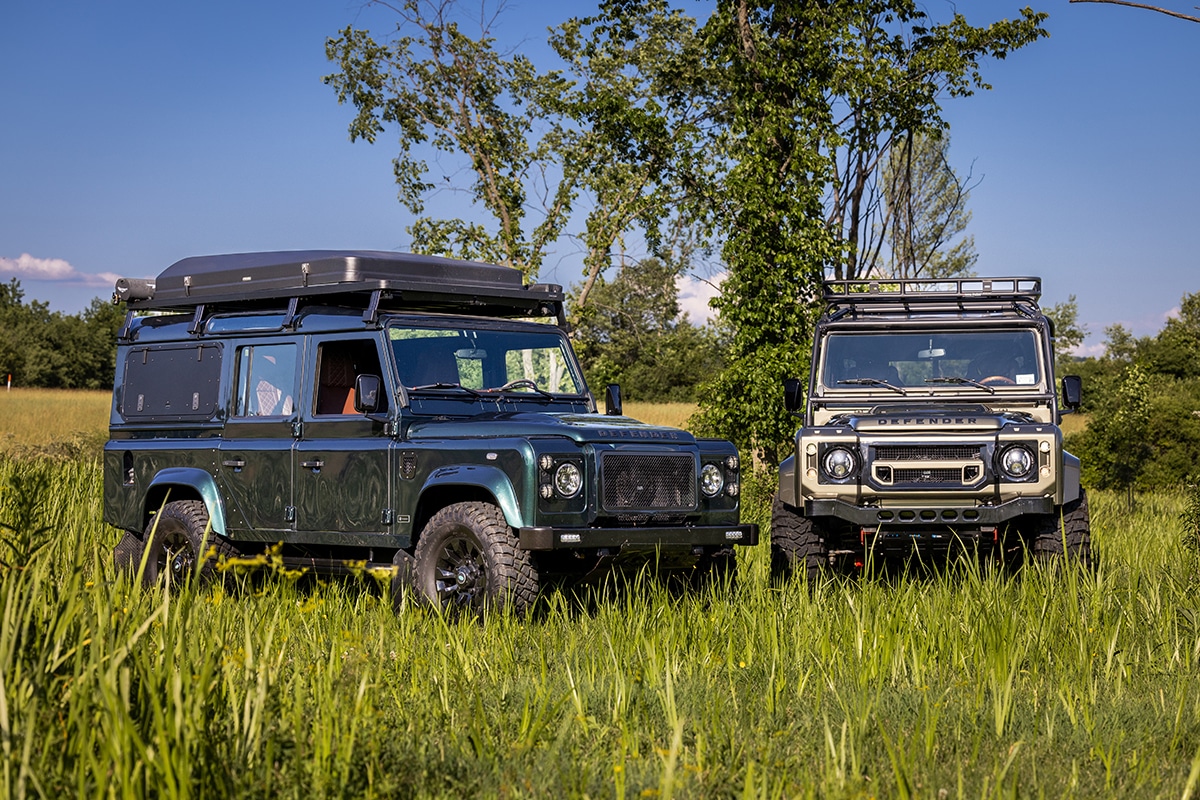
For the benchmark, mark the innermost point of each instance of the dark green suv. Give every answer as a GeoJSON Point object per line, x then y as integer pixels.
{"type": "Point", "coordinates": [375, 409]}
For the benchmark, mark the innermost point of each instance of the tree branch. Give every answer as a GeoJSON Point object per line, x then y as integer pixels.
{"type": "Point", "coordinates": [1168, 12]}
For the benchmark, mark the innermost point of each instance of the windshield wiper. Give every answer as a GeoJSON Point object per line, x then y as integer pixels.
{"type": "Point", "coordinates": [872, 382]}
{"type": "Point", "coordinates": [523, 383]}
{"type": "Point", "coordinates": [467, 389]}
{"type": "Point", "coordinates": [958, 380]}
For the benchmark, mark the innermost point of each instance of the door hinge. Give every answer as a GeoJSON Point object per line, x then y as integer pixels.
{"type": "Point", "coordinates": [297, 429]}
{"type": "Point", "coordinates": [389, 516]}
{"type": "Point", "coordinates": [289, 513]}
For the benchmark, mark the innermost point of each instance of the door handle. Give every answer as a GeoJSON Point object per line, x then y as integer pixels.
{"type": "Point", "coordinates": [236, 463]}
{"type": "Point", "coordinates": [312, 464]}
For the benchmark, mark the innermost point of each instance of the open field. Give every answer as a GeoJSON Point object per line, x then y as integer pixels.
{"type": "Point", "coordinates": [969, 683]}
{"type": "Point", "coordinates": [52, 418]}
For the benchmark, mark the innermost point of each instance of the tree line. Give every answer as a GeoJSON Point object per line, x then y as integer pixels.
{"type": "Point", "coordinates": [44, 348]}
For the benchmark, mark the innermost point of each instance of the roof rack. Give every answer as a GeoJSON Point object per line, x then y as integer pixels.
{"type": "Point", "coordinates": [373, 280]}
{"type": "Point", "coordinates": [884, 294]}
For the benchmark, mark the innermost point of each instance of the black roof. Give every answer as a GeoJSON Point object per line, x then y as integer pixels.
{"type": "Point", "coordinates": [385, 279]}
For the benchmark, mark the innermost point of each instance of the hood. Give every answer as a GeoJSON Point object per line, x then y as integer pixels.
{"type": "Point", "coordinates": [945, 418]}
{"type": "Point", "coordinates": [524, 424]}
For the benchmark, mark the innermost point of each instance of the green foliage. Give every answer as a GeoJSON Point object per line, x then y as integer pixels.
{"type": "Point", "coordinates": [1079, 685]}
{"type": "Point", "coordinates": [631, 333]}
{"type": "Point", "coordinates": [1143, 433]}
{"type": "Point", "coordinates": [1117, 443]}
{"type": "Point", "coordinates": [924, 211]}
{"type": "Point", "coordinates": [757, 133]}
{"type": "Point", "coordinates": [1069, 333]}
{"type": "Point", "coordinates": [804, 88]}
{"type": "Point", "coordinates": [440, 86]}
{"type": "Point", "coordinates": [54, 350]}
{"type": "Point", "coordinates": [1190, 516]}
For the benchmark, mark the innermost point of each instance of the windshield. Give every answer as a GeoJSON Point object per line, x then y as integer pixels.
{"type": "Point", "coordinates": [482, 360]}
{"type": "Point", "coordinates": [989, 360]}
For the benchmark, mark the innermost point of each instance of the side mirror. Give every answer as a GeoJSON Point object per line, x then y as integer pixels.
{"type": "Point", "coordinates": [366, 393]}
{"type": "Point", "coordinates": [612, 400]}
{"type": "Point", "coordinates": [1072, 391]}
{"type": "Point", "coordinates": [793, 394]}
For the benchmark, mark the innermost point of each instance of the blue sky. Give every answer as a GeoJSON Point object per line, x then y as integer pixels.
{"type": "Point", "coordinates": [137, 132]}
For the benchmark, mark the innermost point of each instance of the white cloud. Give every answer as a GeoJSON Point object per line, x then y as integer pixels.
{"type": "Point", "coordinates": [694, 294]}
{"type": "Point", "coordinates": [27, 267]}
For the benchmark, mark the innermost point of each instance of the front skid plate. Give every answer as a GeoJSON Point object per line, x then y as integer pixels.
{"type": "Point", "coordinates": [692, 535]}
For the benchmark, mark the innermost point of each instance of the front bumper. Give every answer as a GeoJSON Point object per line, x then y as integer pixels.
{"type": "Point", "coordinates": [918, 516]}
{"type": "Point", "coordinates": [638, 538]}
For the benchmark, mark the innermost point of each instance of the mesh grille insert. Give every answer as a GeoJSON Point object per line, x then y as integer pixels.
{"type": "Point", "coordinates": [646, 482]}
{"type": "Point", "coordinates": [928, 476]}
{"type": "Point", "coordinates": [926, 452]}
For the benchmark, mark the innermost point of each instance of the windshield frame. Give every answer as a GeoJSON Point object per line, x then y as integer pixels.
{"type": "Point", "coordinates": [896, 368]}
{"type": "Point", "coordinates": [481, 330]}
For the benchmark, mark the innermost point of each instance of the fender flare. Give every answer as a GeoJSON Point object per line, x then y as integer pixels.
{"type": "Point", "coordinates": [199, 481]}
{"type": "Point", "coordinates": [787, 481]}
{"type": "Point", "coordinates": [491, 479]}
{"type": "Point", "coordinates": [1070, 484]}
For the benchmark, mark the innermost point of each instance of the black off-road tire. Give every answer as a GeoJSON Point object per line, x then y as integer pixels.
{"type": "Point", "coordinates": [798, 545]}
{"type": "Point", "coordinates": [1068, 535]}
{"type": "Point", "coordinates": [468, 561]}
{"type": "Point", "coordinates": [178, 543]}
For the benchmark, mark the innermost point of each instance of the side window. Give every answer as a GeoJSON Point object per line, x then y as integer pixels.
{"type": "Point", "coordinates": [172, 382]}
{"type": "Point", "coordinates": [339, 363]}
{"type": "Point", "coordinates": [266, 380]}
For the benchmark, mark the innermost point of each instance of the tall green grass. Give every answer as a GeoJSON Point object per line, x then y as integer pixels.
{"type": "Point", "coordinates": [969, 683]}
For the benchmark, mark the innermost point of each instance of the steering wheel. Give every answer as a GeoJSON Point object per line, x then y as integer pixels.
{"type": "Point", "coordinates": [1002, 379]}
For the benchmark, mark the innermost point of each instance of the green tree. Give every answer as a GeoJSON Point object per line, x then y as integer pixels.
{"type": "Point", "coordinates": [1069, 333]}
{"type": "Point", "coordinates": [924, 213]}
{"type": "Point", "coordinates": [810, 98]}
{"type": "Point", "coordinates": [1116, 445]}
{"type": "Point", "coordinates": [1176, 349]}
{"type": "Point", "coordinates": [442, 87]}
{"type": "Point", "coordinates": [631, 332]}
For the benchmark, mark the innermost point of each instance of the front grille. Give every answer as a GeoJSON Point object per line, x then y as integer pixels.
{"type": "Point", "coordinates": [926, 452]}
{"type": "Point", "coordinates": [939, 475]}
{"type": "Point", "coordinates": [647, 482]}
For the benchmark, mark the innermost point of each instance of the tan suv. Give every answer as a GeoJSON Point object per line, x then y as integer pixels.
{"type": "Point", "coordinates": [931, 422]}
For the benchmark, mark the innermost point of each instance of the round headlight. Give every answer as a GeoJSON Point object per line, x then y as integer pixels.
{"type": "Point", "coordinates": [712, 480]}
{"type": "Point", "coordinates": [1016, 461]}
{"type": "Point", "coordinates": [839, 463]}
{"type": "Point", "coordinates": [568, 480]}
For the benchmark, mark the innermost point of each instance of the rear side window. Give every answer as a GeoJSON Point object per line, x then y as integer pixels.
{"type": "Point", "coordinates": [172, 382]}
{"type": "Point", "coordinates": [266, 381]}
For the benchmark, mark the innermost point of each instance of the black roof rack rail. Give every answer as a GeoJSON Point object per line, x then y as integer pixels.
{"type": "Point", "coordinates": [372, 280]}
{"type": "Point", "coordinates": [904, 294]}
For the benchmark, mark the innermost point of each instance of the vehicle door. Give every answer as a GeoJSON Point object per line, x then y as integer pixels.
{"type": "Point", "coordinates": [255, 458]}
{"type": "Point", "coordinates": [341, 461]}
